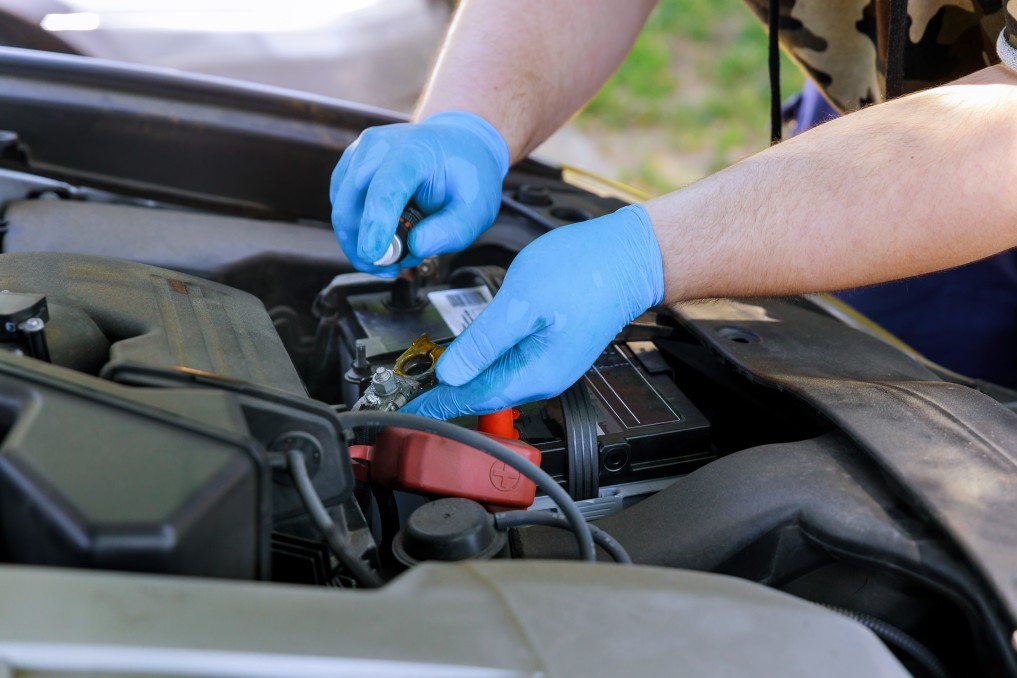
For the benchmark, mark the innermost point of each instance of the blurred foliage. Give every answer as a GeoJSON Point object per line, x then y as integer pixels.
{"type": "Point", "coordinates": [691, 98]}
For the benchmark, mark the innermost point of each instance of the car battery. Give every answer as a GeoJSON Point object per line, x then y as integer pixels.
{"type": "Point", "coordinates": [367, 322]}
{"type": "Point", "coordinates": [441, 312]}
{"type": "Point", "coordinates": [624, 429]}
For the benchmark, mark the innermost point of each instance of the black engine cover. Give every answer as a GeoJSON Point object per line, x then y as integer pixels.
{"type": "Point", "coordinates": [134, 313]}
{"type": "Point", "coordinates": [165, 471]}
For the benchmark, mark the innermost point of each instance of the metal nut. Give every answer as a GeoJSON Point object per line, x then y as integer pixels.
{"type": "Point", "coordinates": [384, 382]}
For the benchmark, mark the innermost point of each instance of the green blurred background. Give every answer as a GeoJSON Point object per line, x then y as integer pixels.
{"type": "Point", "coordinates": [692, 97]}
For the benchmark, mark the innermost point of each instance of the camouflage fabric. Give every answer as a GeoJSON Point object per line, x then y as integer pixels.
{"type": "Point", "coordinates": [1008, 40]}
{"type": "Point", "coordinates": [842, 44]}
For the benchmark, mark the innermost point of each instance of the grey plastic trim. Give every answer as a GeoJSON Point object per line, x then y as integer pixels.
{"type": "Point", "coordinates": [483, 619]}
{"type": "Point", "coordinates": [74, 658]}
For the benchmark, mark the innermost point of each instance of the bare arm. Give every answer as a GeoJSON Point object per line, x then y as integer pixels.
{"type": "Point", "coordinates": [526, 66]}
{"type": "Point", "coordinates": [915, 185]}
{"type": "Point", "coordinates": [918, 184]}
{"type": "Point", "coordinates": [510, 73]}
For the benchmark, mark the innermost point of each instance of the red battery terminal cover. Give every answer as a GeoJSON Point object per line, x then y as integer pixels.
{"type": "Point", "coordinates": [499, 423]}
{"type": "Point", "coordinates": [425, 463]}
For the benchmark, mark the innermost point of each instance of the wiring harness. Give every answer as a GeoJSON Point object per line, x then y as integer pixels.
{"type": "Point", "coordinates": [570, 517]}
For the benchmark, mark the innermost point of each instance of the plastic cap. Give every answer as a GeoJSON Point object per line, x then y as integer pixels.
{"type": "Point", "coordinates": [448, 529]}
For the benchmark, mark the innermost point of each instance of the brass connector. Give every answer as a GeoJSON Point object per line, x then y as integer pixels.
{"type": "Point", "coordinates": [417, 362]}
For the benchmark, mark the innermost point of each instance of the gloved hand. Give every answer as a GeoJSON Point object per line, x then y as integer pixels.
{"type": "Point", "coordinates": [564, 299]}
{"type": "Point", "coordinates": [452, 164]}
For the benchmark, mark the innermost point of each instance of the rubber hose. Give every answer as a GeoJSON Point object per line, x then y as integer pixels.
{"type": "Point", "coordinates": [329, 530]}
{"type": "Point", "coordinates": [601, 538]}
{"type": "Point", "coordinates": [894, 637]}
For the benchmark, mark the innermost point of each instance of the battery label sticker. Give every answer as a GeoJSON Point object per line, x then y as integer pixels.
{"type": "Point", "coordinates": [458, 308]}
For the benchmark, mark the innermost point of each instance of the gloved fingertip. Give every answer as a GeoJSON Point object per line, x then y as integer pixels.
{"type": "Point", "coordinates": [412, 407]}
{"type": "Point", "coordinates": [451, 371]}
{"type": "Point", "coordinates": [410, 262]}
{"type": "Point", "coordinates": [425, 242]}
{"type": "Point", "coordinates": [367, 267]}
{"type": "Point", "coordinates": [426, 405]}
{"type": "Point", "coordinates": [450, 230]}
{"type": "Point", "coordinates": [370, 245]}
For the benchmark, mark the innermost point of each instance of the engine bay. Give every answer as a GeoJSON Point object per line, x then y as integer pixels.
{"type": "Point", "coordinates": [195, 383]}
{"type": "Point", "coordinates": [178, 389]}
{"type": "Point", "coordinates": [277, 369]}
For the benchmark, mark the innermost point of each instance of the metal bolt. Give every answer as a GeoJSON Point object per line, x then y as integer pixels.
{"type": "Point", "coordinates": [372, 399]}
{"type": "Point", "coordinates": [428, 267]}
{"type": "Point", "coordinates": [384, 382]}
{"type": "Point", "coordinates": [360, 359]}
{"type": "Point", "coordinates": [360, 371]}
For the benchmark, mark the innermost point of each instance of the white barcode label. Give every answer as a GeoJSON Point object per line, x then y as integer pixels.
{"type": "Point", "coordinates": [458, 308]}
{"type": "Point", "coordinates": [466, 298]}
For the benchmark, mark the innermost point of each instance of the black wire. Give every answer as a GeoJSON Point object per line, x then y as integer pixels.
{"type": "Point", "coordinates": [488, 446]}
{"type": "Point", "coordinates": [329, 530]}
{"type": "Point", "coordinates": [388, 517]}
{"type": "Point", "coordinates": [896, 42]}
{"type": "Point", "coordinates": [894, 637]}
{"type": "Point", "coordinates": [504, 521]}
{"type": "Point", "coordinates": [776, 118]}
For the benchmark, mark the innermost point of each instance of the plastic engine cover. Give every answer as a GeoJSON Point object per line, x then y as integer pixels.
{"type": "Point", "coordinates": [93, 474]}
{"type": "Point", "coordinates": [139, 314]}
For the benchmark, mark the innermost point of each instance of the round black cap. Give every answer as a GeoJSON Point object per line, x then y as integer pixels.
{"type": "Point", "coordinates": [448, 529]}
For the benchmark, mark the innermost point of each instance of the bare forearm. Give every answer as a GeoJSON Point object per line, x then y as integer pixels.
{"type": "Point", "coordinates": [526, 66]}
{"type": "Point", "coordinates": [916, 185]}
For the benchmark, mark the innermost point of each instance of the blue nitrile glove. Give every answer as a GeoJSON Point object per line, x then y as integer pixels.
{"type": "Point", "coordinates": [452, 164]}
{"type": "Point", "coordinates": [565, 297]}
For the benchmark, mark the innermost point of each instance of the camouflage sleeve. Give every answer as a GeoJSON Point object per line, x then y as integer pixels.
{"type": "Point", "coordinates": [1007, 45]}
